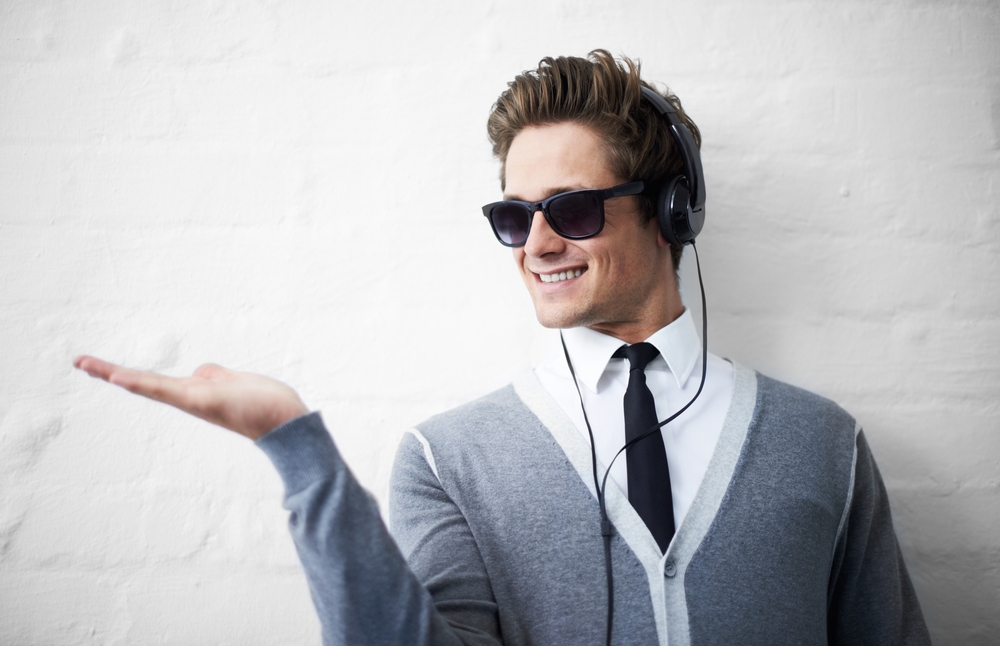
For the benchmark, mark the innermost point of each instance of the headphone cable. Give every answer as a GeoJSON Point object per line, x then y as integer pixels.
{"type": "Point", "coordinates": [606, 527]}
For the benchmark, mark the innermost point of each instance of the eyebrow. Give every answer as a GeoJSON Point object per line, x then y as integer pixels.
{"type": "Point", "coordinates": [550, 193]}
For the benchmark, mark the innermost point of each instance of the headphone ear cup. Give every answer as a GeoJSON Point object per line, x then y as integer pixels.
{"type": "Point", "coordinates": [673, 212]}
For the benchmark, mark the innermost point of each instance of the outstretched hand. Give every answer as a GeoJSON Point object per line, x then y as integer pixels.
{"type": "Point", "coordinates": [243, 402]}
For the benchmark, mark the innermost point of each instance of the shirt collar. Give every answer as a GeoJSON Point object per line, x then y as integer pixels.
{"type": "Point", "coordinates": [591, 351]}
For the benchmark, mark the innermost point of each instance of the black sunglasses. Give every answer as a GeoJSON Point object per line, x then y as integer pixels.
{"type": "Point", "coordinates": [574, 214]}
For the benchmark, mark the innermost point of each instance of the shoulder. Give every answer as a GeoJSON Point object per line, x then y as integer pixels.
{"type": "Point", "coordinates": [484, 411]}
{"type": "Point", "coordinates": [495, 421]}
{"type": "Point", "coordinates": [487, 445]}
{"type": "Point", "coordinates": [782, 402]}
{"type": "Point", "coordinates": [801, 426]}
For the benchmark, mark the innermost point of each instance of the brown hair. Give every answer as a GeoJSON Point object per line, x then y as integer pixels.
{"type": "Point", "coordinates": [604, 94]}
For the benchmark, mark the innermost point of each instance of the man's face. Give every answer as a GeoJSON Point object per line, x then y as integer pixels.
{"type": "Point", "coordinates": [625, 282]}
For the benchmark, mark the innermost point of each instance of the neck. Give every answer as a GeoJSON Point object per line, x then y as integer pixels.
{"type": "Point", "coordinates": [636, 332]}
{"type": "Point", "coordinates": [643, 327]}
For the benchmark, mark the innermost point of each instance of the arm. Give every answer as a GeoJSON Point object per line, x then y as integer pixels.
{"type": "Point", "coordinates": [871, 598]}
{"type": "Point", "coordinates": [360, 583]}
{"type": "Point", "coordinates": [363, 590]}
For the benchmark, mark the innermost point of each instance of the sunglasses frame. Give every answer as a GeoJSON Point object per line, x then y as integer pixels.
{"type": "Point", "coordinates": [602, 194]}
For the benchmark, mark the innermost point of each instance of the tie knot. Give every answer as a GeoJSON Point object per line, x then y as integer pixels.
{"type": "Point", "coordinates": [638, 354]}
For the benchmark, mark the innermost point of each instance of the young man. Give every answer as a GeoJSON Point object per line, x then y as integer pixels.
{"type": "Point", "coordinates": [756, 517]}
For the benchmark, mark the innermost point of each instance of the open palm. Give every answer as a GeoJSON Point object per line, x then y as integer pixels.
{"type": "Point", "coordinates": [243, 402]}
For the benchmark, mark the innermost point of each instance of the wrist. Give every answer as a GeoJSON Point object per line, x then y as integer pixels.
{"type": "Point", "coordinates": [277, 419]}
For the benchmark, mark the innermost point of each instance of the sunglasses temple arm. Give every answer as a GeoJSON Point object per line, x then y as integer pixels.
{"type": "Point", "coordinates": [632, 188]}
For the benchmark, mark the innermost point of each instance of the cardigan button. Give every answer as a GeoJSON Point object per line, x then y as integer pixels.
{"type": "Point", "coordinates": [669, 569]}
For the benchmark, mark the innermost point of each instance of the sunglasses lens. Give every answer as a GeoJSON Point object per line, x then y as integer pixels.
{"type": "Point", "coordinates": [577, 215]}
{"type": "Point", "coordinates": [512, 222]}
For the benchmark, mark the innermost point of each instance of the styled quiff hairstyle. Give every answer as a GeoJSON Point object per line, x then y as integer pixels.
{"type": "Point", "coordinates": [605, 95]}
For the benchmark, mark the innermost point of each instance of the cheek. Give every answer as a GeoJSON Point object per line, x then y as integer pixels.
{"type": "Point", "coordinates": [614, 259]}
{"type": "Point", "coordinates": [517, 253]}
{"type": "Point", "coordinates": [624, 265]}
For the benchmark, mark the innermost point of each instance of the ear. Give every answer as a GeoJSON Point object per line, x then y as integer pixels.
{"type": "Point", "coordinates": [661, 242]}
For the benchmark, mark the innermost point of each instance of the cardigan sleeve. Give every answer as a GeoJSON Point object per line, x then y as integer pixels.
{"type": "Point", "coordinates": [871, 597]}
{"type": "Point", "coordinates": [361, 585]}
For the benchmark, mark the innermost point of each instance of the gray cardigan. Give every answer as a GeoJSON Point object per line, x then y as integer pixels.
{"type": "Point", "coordinates": [788, 540]}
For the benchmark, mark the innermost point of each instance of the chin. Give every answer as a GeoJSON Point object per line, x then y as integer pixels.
{"type": "Point", "coordinates": [560, 320]}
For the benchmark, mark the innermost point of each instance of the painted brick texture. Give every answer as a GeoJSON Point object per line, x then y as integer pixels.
{"type": "Point", "coordinates": [294, 188]}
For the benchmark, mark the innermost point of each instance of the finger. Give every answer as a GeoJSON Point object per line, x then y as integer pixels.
{"type": "Point", "coordinates": [140, 382]}
{"type": "Point", "coordinates": [95, 367]}
{"type": "Point", "coordinates": [161, 388]}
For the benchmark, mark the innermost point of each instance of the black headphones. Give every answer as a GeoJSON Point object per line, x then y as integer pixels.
{"type": "Point", "coordinates": [680, 203]}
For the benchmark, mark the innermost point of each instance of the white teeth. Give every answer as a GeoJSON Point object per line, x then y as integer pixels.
{"type": "Point", "coordinates": [563, 275]}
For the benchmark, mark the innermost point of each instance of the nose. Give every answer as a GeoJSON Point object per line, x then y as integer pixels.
{"type": "Point", "coordinates": [542, 240]}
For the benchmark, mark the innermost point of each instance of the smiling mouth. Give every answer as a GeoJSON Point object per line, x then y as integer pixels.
{"type": "Point", "coordinates": [562, 275]}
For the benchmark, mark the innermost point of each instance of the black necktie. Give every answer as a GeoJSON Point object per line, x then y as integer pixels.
{"type": "Point", "coordinates": [648, 474]}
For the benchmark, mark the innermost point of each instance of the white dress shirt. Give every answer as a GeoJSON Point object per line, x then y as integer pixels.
{"type": "Point", "coordinates": [672, 377]}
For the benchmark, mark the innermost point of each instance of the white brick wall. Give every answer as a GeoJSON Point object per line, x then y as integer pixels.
{"type": "Point", "coordinates": [293, 188]}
